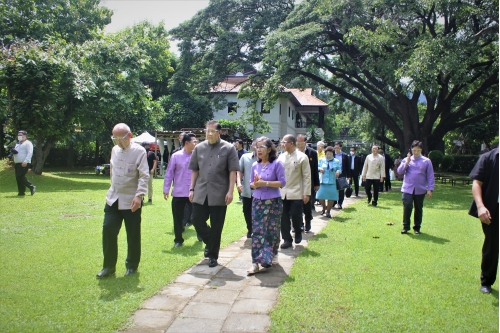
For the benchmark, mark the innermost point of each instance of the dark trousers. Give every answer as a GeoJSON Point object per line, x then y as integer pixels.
{"type": "Point", "coordinates": [410, 201]}
{"type": "Point", "coordinates": [355, 182]}
{"type": "Point", "coordinates": [22, 181]}
{"type": "Point", "coordinates": [178, 213]}
{"type": "Point", "coordinates": [210, 235]}
{"type": "Point", "coordinates": [368, 189]}
{"type": "Point", "coordinates": [386, 182]}
{"type": "Point", "coordinates": [292, 209]}
{"type": "Point", "coordinates": [489, 262]}
{"type": "Point", "coordinates": [341, 194]}
{"type": "Point", "coordinates": [113, 218]}
{"type": "Point", "coordinates": [188, 209]}
{"type": "Point", "coordinates": [308, 208]}
{"type": "Point", "coordinates": [247, 212]}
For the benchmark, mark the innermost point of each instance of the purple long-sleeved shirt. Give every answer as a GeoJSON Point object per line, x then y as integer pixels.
{"type": "Point", "coordinates": [418, 175]}
{"type": "Point", "coordinates": [270, 172]}
{"type": "Point", "coordinates": [179, 173]}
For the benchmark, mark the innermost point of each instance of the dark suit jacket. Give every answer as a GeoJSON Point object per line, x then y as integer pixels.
{"type": "Point", "coordinates": [357, 166]}
{"type": "Point", "coordinates": [345, 164]}
{"type": "Point", "coordinates": [313, 163]}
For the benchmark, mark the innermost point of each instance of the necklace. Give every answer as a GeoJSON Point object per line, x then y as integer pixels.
{"type": "Point", "coordinates": [264, 166]}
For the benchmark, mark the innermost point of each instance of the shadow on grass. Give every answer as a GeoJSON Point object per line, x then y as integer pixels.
{"type": "Point", "coordinates": [309, 253]}
{"type": "Point", "coordinates": [430, 238]}
{"type": "Point", "coordinates": [113, 288]}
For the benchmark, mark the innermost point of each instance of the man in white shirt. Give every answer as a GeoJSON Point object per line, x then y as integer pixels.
{"type": "Point", "coordinates": [22, 158]}
{"type": "Point", "coordinates": [373, 174]}
{"type": "Point", "coordinates": [297, 190]}
{"type": "Point", "coordinates": [129, 183]}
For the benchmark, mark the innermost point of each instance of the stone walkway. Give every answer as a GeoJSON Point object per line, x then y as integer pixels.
{"type": "Point", "coordinates": [223, 298]}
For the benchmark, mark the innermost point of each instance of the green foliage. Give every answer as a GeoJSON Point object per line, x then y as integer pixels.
{"type": "Point", "coordinates": [463, 163]}
{"type": "Point", "coordinates": [183, 110]}
{"type": "Point", "coordinates": [436, 158]}
{"type": "Point", "coordinates": [389, 57]}
{"type": "Point", "coordinates": [447, 162]}
{"type": "Point", "coordinates": [235, 125]}
{"type": "Point", "coordinates": [73, 21]}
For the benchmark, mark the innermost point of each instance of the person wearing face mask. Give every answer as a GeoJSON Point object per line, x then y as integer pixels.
{"type": "Point", "coordinates": [129, 184]}
{"type": "Point", "coordinates": [354, 170]}
{"type": "Point", "coordinates": [22, 158]}
{"type": "Point", "coordinates": [329, 167]}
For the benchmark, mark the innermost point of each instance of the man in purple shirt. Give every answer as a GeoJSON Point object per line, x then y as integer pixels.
{"type": "Point", "coordinates": [418, 180]}
{"type": "Point", "coordinates": [179, 173]}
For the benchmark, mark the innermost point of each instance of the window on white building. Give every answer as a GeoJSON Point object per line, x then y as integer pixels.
{"type": "Point", "coordinates": [232, 107]}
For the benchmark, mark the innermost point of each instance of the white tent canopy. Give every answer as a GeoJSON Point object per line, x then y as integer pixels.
{"type": "Point", "coordinates": [144, 137]}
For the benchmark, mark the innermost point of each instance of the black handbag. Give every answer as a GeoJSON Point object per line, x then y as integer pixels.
{"type": "Point", "coordinates": [348, 191]}
{"type": "Point", "coordinates": [342, 183]}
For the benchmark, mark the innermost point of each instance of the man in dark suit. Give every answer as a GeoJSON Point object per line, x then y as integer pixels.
{"type": "Point", "coordinates": [389, 164]}
{"type": "Point", "coordinates": [312, 155]}
{"type": "Point", "coordinates": [344, 165]}
{"type": "Point", "coordinates": [354, 170]}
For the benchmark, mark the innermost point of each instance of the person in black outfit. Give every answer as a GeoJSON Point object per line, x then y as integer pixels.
{"type": "Point", "coordinates": [485, 193]}
{"type": "Point", "coordinates": [152, 169]}
{"type": "Point", "coordinates": [181, 136]}
{"type": "Point", "coordinates": [344, 165]}
{"type": "Point", "coordinates": [389, 164]}
{"type": "Point", "coordinates": [354, 170]}
{"type": "Point", "coordinates": [312, 155]}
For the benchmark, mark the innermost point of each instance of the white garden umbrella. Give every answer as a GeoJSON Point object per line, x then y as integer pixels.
{"type": "Point", "coordinates": [144, 137]}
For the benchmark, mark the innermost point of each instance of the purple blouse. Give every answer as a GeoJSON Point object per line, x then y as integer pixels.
{"type": "Point", "coordinates": [270, 172]}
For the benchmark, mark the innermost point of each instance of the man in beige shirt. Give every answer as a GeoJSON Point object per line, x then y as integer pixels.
{"type": "Point", "coordinates": [373, 174]}
{"type": "Point", "coordinates": [129, 183]}
{"type": "Point", "coordinates": [214, 163]}
{"type": "Point", "coordinates": [297, 190]}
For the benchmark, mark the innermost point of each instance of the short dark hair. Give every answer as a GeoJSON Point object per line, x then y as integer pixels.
{"type": "Point", "coordinates": [187, 137]}
{"type": "Point", "coordinates": [240, 142]}
{"type": "Point", "coordinates": [353, 148]}
{"type": "Point", "coordinates": [338, 143]}
{"type": "Point", "coordinates": [329, 149]}
{"type": "Point", "coordinates": [290, 138]}
{"type": "Point", "coordinates": [23, 132]}
{"type": "Point", "coordinates": [417, 143]}
{"type": "Point", "coordinates": [214, 122]}
{"type": "Point", "coordinates": [375, 145]}
{"type": "Point", "coordinates": [269, 144]}
{"type": "Point", "coordinates": [302, 135]}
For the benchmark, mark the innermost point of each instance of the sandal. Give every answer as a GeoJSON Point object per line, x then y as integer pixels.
{"type": "Point", "coordinates": [253, 270]}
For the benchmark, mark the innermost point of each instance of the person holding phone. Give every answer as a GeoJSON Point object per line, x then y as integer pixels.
{"type": "Point", "coordinates": [418, 182]}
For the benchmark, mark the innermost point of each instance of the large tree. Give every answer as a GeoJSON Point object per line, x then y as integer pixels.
{"type": "Point", "coordinates": [390, 56]}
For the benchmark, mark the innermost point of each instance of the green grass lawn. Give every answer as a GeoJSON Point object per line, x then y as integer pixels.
{"type": "Point", "coordinates": [50, 247]}
{"type": "Point", "coordinates": [361, 275]}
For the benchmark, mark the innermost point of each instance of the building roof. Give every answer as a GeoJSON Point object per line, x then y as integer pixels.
{"type": "Point", "coordinates": [305, 97]}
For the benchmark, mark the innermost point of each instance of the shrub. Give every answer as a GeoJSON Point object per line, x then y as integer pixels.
{"type": "Point", "coordinates": [447, 162]}
{"type": "Point", "coordinates": [436, 158]}
{"type": "Point", "coordinates": [463, 163]}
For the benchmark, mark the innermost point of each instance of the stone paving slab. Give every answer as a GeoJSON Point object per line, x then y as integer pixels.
{"type": "Point", "coordinates": [223, 298]}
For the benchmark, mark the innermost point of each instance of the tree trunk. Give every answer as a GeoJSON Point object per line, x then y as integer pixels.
{"type": "Point", "coordinates": [40, 155]}
{"type": "Point", "coordinates": [3, 153]}
{"type": "Point", "coordinates": [71, 154]}
{"type": "Point", "coordinates": [96, 152]}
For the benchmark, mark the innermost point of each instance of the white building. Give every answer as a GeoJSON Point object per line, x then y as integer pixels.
{"type": "Point", "coordinates": [289, 115]}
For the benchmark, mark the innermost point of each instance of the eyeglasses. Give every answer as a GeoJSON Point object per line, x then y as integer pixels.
{"type": "Point", "coordinates": [116, 139]}
{"type": "Point", "coordinates": [211, 131]}
{"type": "Point", "coordinates": [194, 141]}
{"type": "Point", "coordinates": [284, 142]}
{"type": "Point", "coordinates": [261, 147]}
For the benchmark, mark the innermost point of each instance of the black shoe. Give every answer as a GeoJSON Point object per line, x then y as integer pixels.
{"type": "Point", "coordinates": [369, 200]}
{"type": "Point", "coordinates": [298, 238]}
{"type": "Point", "coordinates": [308, 228]}
{"type": "Point", "coordinates": [105, 273]}
{"type": "Point", "coordinates": [178, 245]}
{"type": "Point", "coordinates": [199, 238]}
{"type": "Point", "coordinates": [286, 244]}
{"type": "Point", "coordinates": [187, 225]}
{"type": "Point", "coordinates": [322, 212]}
{"type": "Point", "coordinates": [266, 265]}
{"type": "Point", "coordinates": [33, 189]}
{"type": "Point", "coordinates": [485, 289]}
{"type": "Point", "coordinates": [130, 271]}
{"type": "Point", "coordinates": [249, 235]}
{"type": "Point", "coordinates": [374, 204]}
{"type": "Point", "coordinates": [212, 262]}
{"type": "Point", "coordinates": [21, 194]}
{"type": "Point", "coordinates": [302, 227]}
{"type": "Point", "coordinates": [340, 206]}
{"type": "Point", "coordinates": [416, 232]}
{"type": "Point", "coordinates": [404, 231]}
{"type": "Point", "coordinates": [328, 215]}
{"type": "Point", "coordinates": [150, 200]}
{"type": "Point", "coordinates": [205, 253]}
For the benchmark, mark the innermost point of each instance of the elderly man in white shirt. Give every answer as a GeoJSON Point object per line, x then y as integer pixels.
{"type": "Point", "coordinates": [22, 153]}
{"type": "Point", "coordinates": [129, 183]}
{"type": "Point", "coordinates": [373, 174]}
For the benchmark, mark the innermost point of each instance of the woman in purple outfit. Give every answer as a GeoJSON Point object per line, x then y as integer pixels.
{"type": "Point", "coordinates": [268, 175]}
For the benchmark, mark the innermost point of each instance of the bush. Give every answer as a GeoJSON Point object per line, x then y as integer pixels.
{"type": "Point", "coordinates": [447, 162]}
{"type": "Point", "coordinates": [436, 158]}
{"type": "Point", "coordinates": [464, 163]}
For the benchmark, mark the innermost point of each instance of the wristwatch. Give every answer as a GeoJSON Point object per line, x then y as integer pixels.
{"type": "Point", "coordinates": [267, 184]}
{"type": "Point", "coordinates": [191, 190]}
